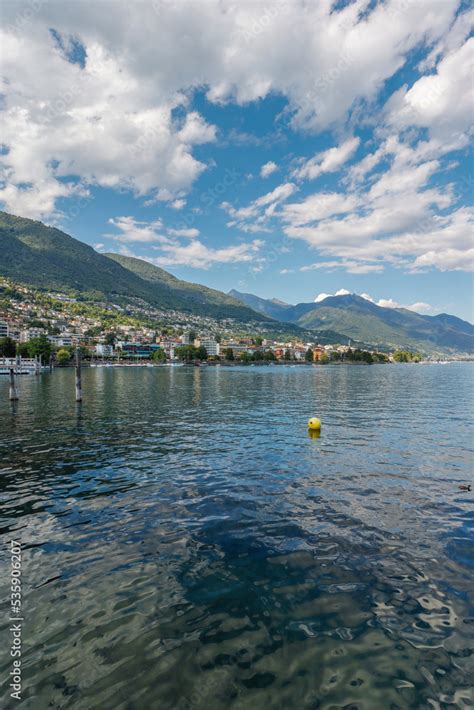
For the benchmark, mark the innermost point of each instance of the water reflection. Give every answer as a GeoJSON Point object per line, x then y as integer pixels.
{"type": "Point", "coordinates": [187, 546]}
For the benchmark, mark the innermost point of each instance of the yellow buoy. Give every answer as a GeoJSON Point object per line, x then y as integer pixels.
{"type": "Point", "coordinates": [314, 424]}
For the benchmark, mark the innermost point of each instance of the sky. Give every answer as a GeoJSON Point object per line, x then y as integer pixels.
{"type": "Point", "coordinates": [289, 149]}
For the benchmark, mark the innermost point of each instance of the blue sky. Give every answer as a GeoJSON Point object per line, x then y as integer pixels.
{"type": "Point", "coordinates": [283, 149]}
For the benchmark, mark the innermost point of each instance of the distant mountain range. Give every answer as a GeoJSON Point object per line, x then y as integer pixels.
{"type": "Point", "coordinates": [47, 258]}
{"type": "Point", "coordinates": [364, 321]}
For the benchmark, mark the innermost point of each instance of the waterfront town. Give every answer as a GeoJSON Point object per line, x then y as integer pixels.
{"type": "Point", "coordinates": [56, 325]}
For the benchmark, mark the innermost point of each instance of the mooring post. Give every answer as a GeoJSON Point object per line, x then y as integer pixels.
{"type": "Point", "coordinates": [50, 363]}
{"type": "Point", "coordinates": [13, 387]}
{"type": "Point", "coordinates": [78, 377]}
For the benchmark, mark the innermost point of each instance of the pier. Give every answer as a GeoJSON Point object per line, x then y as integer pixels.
{"type": "Point", "coordinates": [21, 365]}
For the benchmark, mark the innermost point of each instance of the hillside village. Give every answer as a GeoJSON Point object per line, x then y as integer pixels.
{"type": "Point", "coordinates": [137, 331]}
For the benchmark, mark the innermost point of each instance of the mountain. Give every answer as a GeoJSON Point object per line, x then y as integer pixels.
{"type": "Point", "coordinates": [273, 308]}
{"type": "Point", "coordinates": [47, 258]}
{"type": "Point", "coordinates": [190, 296]}
{"type": "Point", "coordinates": [364, 321]}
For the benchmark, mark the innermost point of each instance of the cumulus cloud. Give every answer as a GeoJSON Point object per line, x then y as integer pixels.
{"type": "Point", "coordinates": [444, 101]}
{"type": "Point", "coordinates": [173, 252]}
{"type": "Point", "coordinates": [114, 118]}
{"type": "Point", "coordinates": [268, 169]}
{"type": "Point", "coordinates": [199, 256]}
{"type": "Point", "coordinates": [132, 230]}
{"type": "Point", "coordinates": [392, 216]}
{"type": "Point", "coordinates": [178, 204]}
{"type": "Point", "coordinates": [329, 161]}
{"type": "Point", "coordinates": [419, 306]}
{"type": "Point", "coordinates": [254, 217]}
{"type": "Point", "coordinates": [322, 296]}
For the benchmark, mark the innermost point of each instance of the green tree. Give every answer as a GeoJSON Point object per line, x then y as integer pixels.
{"type": "Point", "coordinates": [22, 350]}
{"type": "Point", "coordinates": [63, 356]}
{"type": "Point", "coordinates": [406, 356]}
{"type": "Point", "coordinates": [110, 338]}
{"type": "Point", "coordinates": [245, 358]}
{"type": "Point", "coordinates": [324, 359]}
{"type": "Point", "coordinates": [188, 353]}
{"type": "Point", "coordinates": [270, 356]}
{"type": "Point", "coordinates": [159, 356]}
{"type": "Point", "coordinates": [7, 347]}
{"type": "Point", "coordinates": [40, 346]}
{"type": "Point", "coordinates": [201, 353]}
{"type": "Point", "coordinates": [308, 355]}
{"type": "Point", "coordinates": [287, 355]}
{"type": "Point", "coordinates": [229, 354]}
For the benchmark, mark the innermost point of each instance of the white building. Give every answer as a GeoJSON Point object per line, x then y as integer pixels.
{"type": "Point", "coordinates": [63, 340]}
{"type": "Point", "coordinates": [104, 350]}
{"type": "Point", "coordinates": [31, 333]}
{"type": "Point", "coordinates": [212, 347]}
{"type": "Point", "coordinates": [3, 329]}
{"type": "Point", "coordinates": [169, 346]}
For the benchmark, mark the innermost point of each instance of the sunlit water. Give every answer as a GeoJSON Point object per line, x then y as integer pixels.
{"type": "Point", "coordinates": [187, 544]}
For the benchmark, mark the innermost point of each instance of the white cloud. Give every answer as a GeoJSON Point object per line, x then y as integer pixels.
{"type": "Point", "coordinates": [100, 124]}
{"type": "Point", "coordinates": [199, 256]}
{"type": "Point", "coordinates": [188, 232]}
{"type": "Point", "coordinates": [419, 307]}
{"type": "Point", "coordinates": [282, 192]}
{"type": "Point", "coordinates": [178, 204]}
{"type": "Point", "coordinates": [322, 297]}
{"type": "Point", "coordinates": [329, 161]}
{"type": "Point", "coordinates": [447, 259]}
{"type": "Point", "coordinates": [318, 206]}
{"type": "Point", "coordinates": [395, 217]}
{"type": "Point", "coordinates": [132, 230]}
{"type": "Point", "coordinates": [268, 169]}
{"type": "Point", "coordinates": [254, 217]}
{"type": "Point", "coordinates": [173, 252]}
{"type": "Point", "coordinates": [442, 102]}
{"type": "Point", "coordinates": [112, 122]}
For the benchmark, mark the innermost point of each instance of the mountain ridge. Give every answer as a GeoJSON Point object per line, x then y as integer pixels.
{"type": "Point", "coordinates": [365, 321]}
{"type": "Point", "coordinates": [48, 258]}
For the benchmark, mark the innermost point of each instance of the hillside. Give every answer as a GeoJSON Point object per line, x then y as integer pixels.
{"type": "Point", "coordinates": [272, 308]}
{"type": "Point", "coordinates": [364, 321]}
{"type": "Point", "coordinates": [47, 258]}
{"type": "Point", "coordinates": [189, 295]}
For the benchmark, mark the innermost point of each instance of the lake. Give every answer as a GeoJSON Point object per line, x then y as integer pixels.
{"type": "Point", "coordinates": [187, 544]}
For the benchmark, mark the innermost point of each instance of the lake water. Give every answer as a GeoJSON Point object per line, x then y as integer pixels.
{"type": "Point", "coordinates": [187, 544]}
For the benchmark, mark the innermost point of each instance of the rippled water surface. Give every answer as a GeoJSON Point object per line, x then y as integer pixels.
{"type": "Point", "coordinates": [187, 544]}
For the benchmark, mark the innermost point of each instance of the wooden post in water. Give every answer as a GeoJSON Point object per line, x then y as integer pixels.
{"type": "Point", "coordinates": [13, 387]}
{"type": "Point", "coordinates": [50, 363]}
{"type": "Point", "coordinates": [78, 377]}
